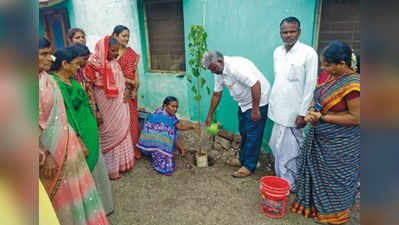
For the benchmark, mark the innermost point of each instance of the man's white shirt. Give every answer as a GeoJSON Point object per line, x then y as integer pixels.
{"type": "Point", "coordinates": [295, 77]}
{"type": "Point", "coordinates": [239, 75]}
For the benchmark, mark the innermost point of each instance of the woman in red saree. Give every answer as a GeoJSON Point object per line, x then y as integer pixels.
{"type": "Point", "coordinates": [109, 86]}
{"type": "Point", "coordinates": [128, 60]}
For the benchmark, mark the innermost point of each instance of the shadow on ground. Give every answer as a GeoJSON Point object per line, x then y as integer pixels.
{"type": "Point", "coordinates": [195, 196]}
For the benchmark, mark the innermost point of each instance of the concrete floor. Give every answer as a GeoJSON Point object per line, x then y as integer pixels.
{"type": "Point", "coordinates": [195, 196]}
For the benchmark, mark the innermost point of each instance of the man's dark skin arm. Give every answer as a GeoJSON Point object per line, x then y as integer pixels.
{"type": "Point", "coordinates": [214, 104]}
{"type": "Point", "coordinates": [255, 90]}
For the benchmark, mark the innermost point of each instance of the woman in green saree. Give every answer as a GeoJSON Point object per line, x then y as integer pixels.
{"type": "Point", "coordinates": [81, 118]}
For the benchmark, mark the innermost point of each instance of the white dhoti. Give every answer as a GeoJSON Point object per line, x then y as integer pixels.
{"type": "Point", "coordinates": [285, 143]}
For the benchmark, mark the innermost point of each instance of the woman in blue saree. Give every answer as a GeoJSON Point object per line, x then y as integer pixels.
{"type": "Point", "coordinates": [159, 135]}
{"type": "Point", "coordinates": [329, 162]}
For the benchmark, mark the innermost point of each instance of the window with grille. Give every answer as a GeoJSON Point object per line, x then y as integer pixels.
{"type": "Point", "coordinates": [340, 20]}
{"type": "Point", "coordinates": [165, 35]}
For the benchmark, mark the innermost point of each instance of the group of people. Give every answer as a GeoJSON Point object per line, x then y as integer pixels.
{"type": "Point", "coordinates": [89, 130]}
{"type": "Point", "coordinates": [88, 122]}
{"type": "Point", "coordinates": [315, 138]}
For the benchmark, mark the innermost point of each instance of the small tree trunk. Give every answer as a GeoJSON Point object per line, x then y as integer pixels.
{"type": "Point", "coordinates": [199, 115]}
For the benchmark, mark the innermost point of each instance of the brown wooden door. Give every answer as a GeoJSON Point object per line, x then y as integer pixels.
{"type": "Point", "coordinates": [56, 26]}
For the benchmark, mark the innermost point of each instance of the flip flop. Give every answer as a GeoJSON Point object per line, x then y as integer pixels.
{"type": "Point", "coordinates": [233, 162]}
{"type": "Point", "coordinates": [241, 173]}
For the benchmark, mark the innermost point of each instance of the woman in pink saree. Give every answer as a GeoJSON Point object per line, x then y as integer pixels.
{"type": "Point", "coordinates": [115, 137]}
{"type": "Point", "coordinates": [63, 169]}
{"type": "Point", "coordinates": [128, 59]}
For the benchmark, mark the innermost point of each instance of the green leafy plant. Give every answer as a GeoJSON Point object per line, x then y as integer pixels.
{"type": "Point", "coordinates": [197, 47]}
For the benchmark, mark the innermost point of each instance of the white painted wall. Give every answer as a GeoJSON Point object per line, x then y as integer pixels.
{"type": "Point", "coordinates": [98, 18]}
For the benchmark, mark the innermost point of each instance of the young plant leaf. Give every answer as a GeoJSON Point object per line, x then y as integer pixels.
{"type": "Point", "coordinates": [196, 72]}
{"type": "Point", "coordinates": [189, 78]}
{"type": "Point", "coordinates": [191, 62]}
{"type": "Point", "coordinates": [202, 82]}
{"type": "Point", "coordinates": [197, 97]}
{"type": "Point", "coordinates": [208, 90]}
{"type": "Point", "coordinates": [194, 89]}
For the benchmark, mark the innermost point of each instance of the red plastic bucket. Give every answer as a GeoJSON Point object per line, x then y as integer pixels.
{"type": "Point", "coordinates": [273, 199]}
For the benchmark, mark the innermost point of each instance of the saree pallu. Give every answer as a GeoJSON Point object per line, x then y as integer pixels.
{"type": "Point", "coordinates": [329, 162]}
{"type": "Point", "coordinates": [81, 118]}
{"type": "Point", "coordinates": [76, 201]}
{"type": "Point", "coordinates": [99, 64]}
{"type": "Point", "coordinates": [72, 191]}
{"type": "Point", "coordinates": [158, 137]}
{"type": "Point", "coordinates": [128, 63]}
